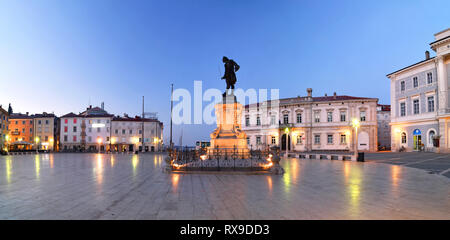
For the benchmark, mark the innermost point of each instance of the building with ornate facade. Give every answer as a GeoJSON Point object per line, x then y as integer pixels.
{"type": "Point", "coordinates": [307, 123]}
{"type": "Point", "coordinates": [420, 101]}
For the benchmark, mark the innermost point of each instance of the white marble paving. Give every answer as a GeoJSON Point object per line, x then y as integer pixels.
{"type": "Point", "coordinates": [102, 186]}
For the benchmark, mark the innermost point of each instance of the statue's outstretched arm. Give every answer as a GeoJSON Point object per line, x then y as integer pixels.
{"type": "Point", "coordinates": [236, 67]}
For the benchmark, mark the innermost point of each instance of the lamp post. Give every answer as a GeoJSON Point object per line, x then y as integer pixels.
{"type": "Point", "coordinates": [355, 124]}
{"type": "Point", "coordinates": [99, 141]}
{"type": "Point", "coordinates": [36, 140]}
{"type": "Point", "coordinates": [51, 144]}
{"type": "Point", "coordinates": [286, 130]}
{"type": "Point", "coordinates": [7, 141]}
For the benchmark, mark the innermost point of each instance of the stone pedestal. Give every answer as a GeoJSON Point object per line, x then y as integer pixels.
{"type": "Point", "coordinates": [228, 135]}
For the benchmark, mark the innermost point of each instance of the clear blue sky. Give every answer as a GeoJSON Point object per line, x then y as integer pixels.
{"type": "Point", "coordinates": [59, 55]}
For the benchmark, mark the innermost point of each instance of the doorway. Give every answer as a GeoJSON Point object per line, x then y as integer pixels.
{"type": "Point", "coordinates": [283, 142]}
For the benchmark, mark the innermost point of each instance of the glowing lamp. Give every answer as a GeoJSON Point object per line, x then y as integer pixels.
{"type": "Point", "coordinates": [99, 140]}
{"type": "Point", "coordinates": [203, 157]}
{"type": "Point", "coordinates": [355, 123]}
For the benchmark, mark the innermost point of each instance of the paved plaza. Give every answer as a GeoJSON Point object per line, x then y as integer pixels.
{"type": "Point", "coordinates": [126, 186]}
{"type": "Point", "coordinates": [433, 163]}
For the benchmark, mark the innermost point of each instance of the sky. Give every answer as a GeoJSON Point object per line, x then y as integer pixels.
{"type": "Point", "coordinates": [62, 56]}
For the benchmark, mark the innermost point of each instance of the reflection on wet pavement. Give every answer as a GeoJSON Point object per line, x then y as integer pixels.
{"type": "Point", "coordinates": [129, 186]}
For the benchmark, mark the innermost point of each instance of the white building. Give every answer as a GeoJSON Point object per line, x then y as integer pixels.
{"type": "Point", "coordinates": [70, 132]}
{"type": "Point", "coordinates": [312, 123]}
{"type": "Point", "coordinates": [420, 101]}
{"type": "Point", "coordinates": [127, 134]}
{"type": "Point", "coordinates": [95, 129]}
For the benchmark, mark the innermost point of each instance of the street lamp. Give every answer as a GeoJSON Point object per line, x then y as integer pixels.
{"type": "Point", "coordinates": [286, 130]}
{"type": "Point", "coordinates": [356, 124]}
{"type": "Point", "coordinates": [99, 141]}
{"type": "Point", "coordinates": [36, 140]}
{"type": "Point", "coordinates": [7, 141]}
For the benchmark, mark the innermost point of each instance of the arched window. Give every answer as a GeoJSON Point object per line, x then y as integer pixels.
{"type": "Point", "coordinates": [403, 137]}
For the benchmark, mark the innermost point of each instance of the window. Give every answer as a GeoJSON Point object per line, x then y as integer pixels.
{"type": "Point", "coordinates": [39, 122]}
{"type": "Point", "coordinates": [131, 131]}
{"type": "Point", "coordinates": [343, 116]}
{"type": "Point", "coordinates": [329, 116]}
{"type": "Point", "coordinates": [46, 138]}
{"type": "Point", "coordinates": [98, 121]}
{"type": "Point", "coordinates": [31, 130]}
{"type": "Point", "coordinates": [299, 139]}
{"type": "Point", "coordinates": [258, 121]}
{"type": "Point", "coordinates": [429, 78]}
{"type": "Point", "coordinates": [116, 131]}
{"type": "Point", "coordinates": [273, 140]}
{"type": "Point", "coordinates": [74, 120]}
{"type": "Point", "coordinates": [285, 118]}
{"type": "Point", "coordinates": [98, 130]}
{"type": "Point", "coordinates": [330, 139]}
{"type": "Point", "coordinates": [416, 106]}
{"type": "Point", "coordinates": [248, 140]}
{"type": "Point", "coordinates": [140, 131]}
{"type": "Point", "coordinates": [258, 140]}
{"type": "Point", "coordinates": [107, 139]}
{"type": "Point", "coordinates": [89, 139]}
{"type": "Point", "coordinates": [317, 139]}
{"type": "Point", "coordinates": [403, 137]}
{"type": "Point", "coordinates": [74, 129]}
{"type": "Point", "coordinates": [247, 121]}
{"type": "Point", "coordinates": [74, 138]}
{"type": "Point", "coordinates": [362, 116]}
{"type": "Point", "coordinates": [317, 117]}
{"type": "Point", "coordinates": [89, 129]}
{"type": "Point", "coordinates": [272, 119]}
{"type": "Point", "coordinates": [66, 121]}
{"type": "Point", "coordinates": [343, 138]}
{"type": "Point", "coordinates": [46, 122]}
{"type": "Point", "coordinates": [299, 118]}
{"type": "Point", "coordinates": [402, 109]}
{"type": "Point", "coordinates": [23, 122]}
{"type": "Point", "coordinates": [65, 128]}
{"type": "Point", "coordinates": [431, 104]}
{"type": "Point", "coordinates": [65, 138]}
{"type": "Point", "coordinates": [123, 131]}
{"type": "Point", "coordinates": [402, 85]}
{"type": "Point", "coordinates": [415, 82]}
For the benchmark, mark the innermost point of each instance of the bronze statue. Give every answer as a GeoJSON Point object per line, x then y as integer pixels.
{"type": "Point", "coordinates": [230, 77]}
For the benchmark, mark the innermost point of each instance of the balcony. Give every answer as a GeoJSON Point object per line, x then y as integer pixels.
{"type": "Point", "coordinates": [285, 125]}
{"type": "Point", "coordinates": [15, 133]}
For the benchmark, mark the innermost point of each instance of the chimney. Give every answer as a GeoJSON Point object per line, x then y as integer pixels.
{"type": "Point", "coordinates": [27, 113]}
{"type": "Point", "coordinates": [326, 95]}
{"type": "Point", "coordinates": [103, 105]}
{"type": "Point", "coordinates": [309, 90]}
{"type": "Point", "coordinates": [334, 95]}
{"type": "Point", "coordinates": [427, 55]}
{"type": "Point", "coordinates": [90, 106]}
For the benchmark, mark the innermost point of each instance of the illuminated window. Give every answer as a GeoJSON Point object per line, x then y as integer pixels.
{"type": "Point", "coordinates": [74, 120]}
{"type": "Point", "coordinates": [66, 121]}
{"type": "Point", "coordinates": [343, 138]}
{"type": "Point", "coordinates": [299, 139]}
{"type": "Point", "coordinates": [403, 137]}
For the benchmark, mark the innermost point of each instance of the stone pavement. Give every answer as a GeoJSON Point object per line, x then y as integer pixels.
{"type": "Point", "coordinates": [102, 186]}
{"type": "Point", "coordinates": [431, 162]}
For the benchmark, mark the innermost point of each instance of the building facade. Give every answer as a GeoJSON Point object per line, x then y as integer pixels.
{"type": "Point", "coordinates": [21, 133]}
{"type": "Point", "coordinates": [384, 127]}
{"type": "Point", "coordinates": [304, 124]}
{"type": "Point", "coordinates": [95, 129]}
{"type": "Point", "coordinates": [70, 132]}
{"type": "Point", "coordinates": [127, 134]}
{"type": "Point", "coordinates": [420, 101]}
{"type": "Point", "coordinates": [4, 129]}
{"type": "Point", "coordinates": [45, 130]}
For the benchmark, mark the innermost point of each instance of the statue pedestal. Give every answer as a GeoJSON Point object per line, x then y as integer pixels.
{"type": "Point", "coordinates": [228, 137]}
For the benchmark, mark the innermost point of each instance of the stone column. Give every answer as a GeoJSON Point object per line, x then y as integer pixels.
{"type": "Point", "coordinates": [442, 85]}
